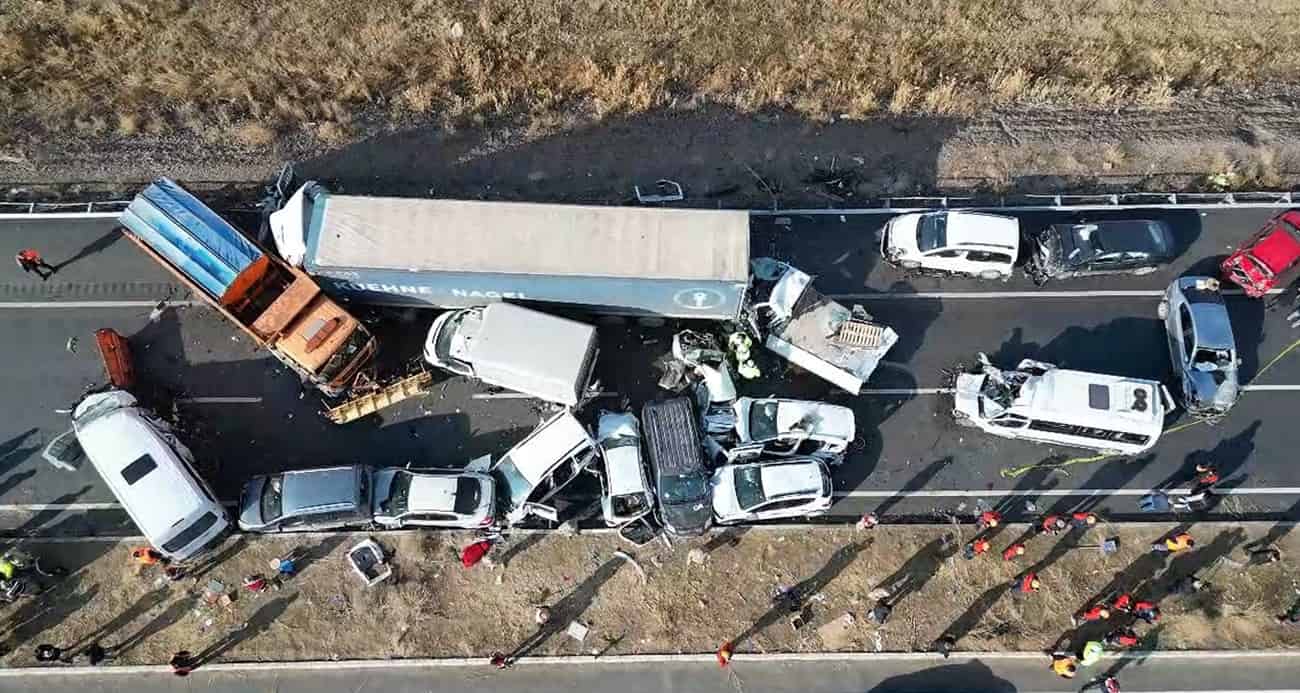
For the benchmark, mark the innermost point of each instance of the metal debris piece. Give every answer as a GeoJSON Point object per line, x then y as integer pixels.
{"type": "Point", "coordinates": [578, 631]}
{"type": "Point", "coordinates": [71, 345]}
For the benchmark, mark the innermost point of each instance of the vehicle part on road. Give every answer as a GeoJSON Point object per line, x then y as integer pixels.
{"type": "Point", "coordinates": [665, 191]}
{"type": "Point", "coordinates": [1202, 348]}
{"type": "Point", "coordinates": [806, 328]}
{"type": "Point", "coordinates": [369, 562]}
{"type": "Point", "coordinates": [116, 353]}
{"type": "Point", "coordinates": [1042, 403]}
{"type": "Point", "coordinates": [366, 404]}
{"type": "Point", "coordinates": [277, 305]}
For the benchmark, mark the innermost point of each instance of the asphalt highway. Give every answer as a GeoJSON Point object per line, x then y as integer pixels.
{"type": "Point", "coordinates": [244, 414]}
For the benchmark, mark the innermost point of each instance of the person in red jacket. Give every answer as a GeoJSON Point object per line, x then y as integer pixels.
{"type": "Point", "coordinates": [1121, 638]}
{"type": "Point", "coordinates": [1052, 524]}
{"type": "Point", "coordinates": [1123, 603]}
{"type": "Point", "coordinates": [1098, 612]}
{"type": "Point", "coordinates": [471, 555]}
{"type": "Point", "coordinates": [989, 519]}
{"type": "Point", "coordinates": [1147, 611]}
{"type": "Point", "coordinates": [31, 261]}
{"type": "Point", "coordinates": [1013, 552]}
{"type": "Point", "coordinates": [978, 547]}
{"type": "Point", "coordinates": [1027, 584]}
{"type": "Point", "coordinates": [1083, 519]}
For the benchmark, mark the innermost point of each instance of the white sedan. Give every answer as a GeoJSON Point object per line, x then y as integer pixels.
{"type": "Point", "coordinates": [771, 490]}
{"type": "Point", "coordinates": [434, 498]}
{"type": "Point", "coordinates": [786, 427]}
{"type": "Point", "coordinates": [962, 243]}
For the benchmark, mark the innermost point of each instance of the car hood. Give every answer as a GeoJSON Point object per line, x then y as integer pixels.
{"type": "Point", "coordinates": [823, 420]}
{"type": "Point", "coordinates": [900, 239]}
{"type": "Point", "coordinates": [250, 503]}
{"type": "Point", "coordinates": [687, 519]}
{"type": "Point", "coordinates": [966, 394]}
{"type": "Point", "coordinates": [725, 504]}
{"type": "Point", "coordinates": [1204, 394]}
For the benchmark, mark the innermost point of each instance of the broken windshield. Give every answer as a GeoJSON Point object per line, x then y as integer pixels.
{"type": "Point", "coordinates": [932, 231]}
{"type": "Point", "coordinates": [1212, 361]}
{"type": "Point", "coordinates": [399, 494]}
{"type": "Point", "coordinates": [749, 487]}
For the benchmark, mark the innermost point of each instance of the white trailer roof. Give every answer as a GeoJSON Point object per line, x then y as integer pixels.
{"type": "Point", "coordinates": [525, 238]}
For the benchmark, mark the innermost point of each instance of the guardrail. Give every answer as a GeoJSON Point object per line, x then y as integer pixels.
{"type": "Point", "coordinates": [34, 208]}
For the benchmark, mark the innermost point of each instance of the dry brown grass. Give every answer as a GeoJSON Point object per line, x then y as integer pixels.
{"type": "Point", "coordinates": [434, 607]}
{"type": "Point", "coordinates": [126, 66]}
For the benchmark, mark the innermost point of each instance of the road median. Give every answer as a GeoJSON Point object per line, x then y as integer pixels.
{"type": "Point", "coordinates": [789, 591]}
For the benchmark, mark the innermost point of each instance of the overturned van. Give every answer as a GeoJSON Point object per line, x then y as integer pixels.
{"type": "Point", "coordinates": [1042, 403]}
{"type": "Point", "coordinates": [839, 345]}
{"type": "Point", "coordinates": [520, 349]}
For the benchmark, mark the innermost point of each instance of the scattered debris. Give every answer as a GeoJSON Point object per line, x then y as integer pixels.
{"type": "Point", "coordinates": [578, 631]}
{"type": "Point", "coordinates": [696, 556]}
{"type": "Point", "coordinates": [632, 562]}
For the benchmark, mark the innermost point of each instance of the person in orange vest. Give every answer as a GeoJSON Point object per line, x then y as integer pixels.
{"type": "Point", "coordinates": [1123, 603]}
{"type": "Point", "coordinates": [725, 653]}
{"type": "Point", "coordinates": [978, 547]}
{"type": "Point", "coordinates": [1083, 519]}
{"type": "Point", "coordinates": [1065, 666]}
{"type": "Point", "coordinates": [1098, 612]}
{"type": "Point", "coordinates": [31, 261]}
{"type": "Point", "coordinates": [1013, 552]}
{"type": "Point", "coordinates": [1052, 524]}
{"type": "Point", "coordinates": [988, 520]}
{"type": "Point", "coordinates": [1147, 611]}
{"type": "Point", "coordinates": [1176, 544]}
{"type": "Point", "coordinates": [147, 556]}
{"type": "Point", "coordinates": [1026, 584]}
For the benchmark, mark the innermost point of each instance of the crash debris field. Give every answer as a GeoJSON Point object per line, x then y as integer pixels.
{"type": "Point", "coordinates": [689, 599]}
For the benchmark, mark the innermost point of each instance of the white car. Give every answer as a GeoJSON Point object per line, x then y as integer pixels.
{"type": "Point", "coordinates": [966, 243]}
{"type": "Point", "coordinates": [625, 488]}
{"type": "Point", "coordinates": [770, 490]}
{"type": "Point", "coordinates": [433, 498]}
{"type": "Point", "coordinates": [786, 427]}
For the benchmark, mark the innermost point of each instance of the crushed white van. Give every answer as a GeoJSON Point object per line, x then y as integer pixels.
{"type": "Point", "coordinates": [1042, 403]}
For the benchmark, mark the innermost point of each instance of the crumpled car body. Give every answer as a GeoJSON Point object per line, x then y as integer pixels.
{"type": "Point", "coordinates": [784, 427]}
{"type": "Point", "coordinates": [801, 325]}
{"type": "Point", "coordinates": [1201, 345]}
{"type": "Point", "coordinates": [1129, 246]}
{"type": "Point", "coordinates": [1258, 263]}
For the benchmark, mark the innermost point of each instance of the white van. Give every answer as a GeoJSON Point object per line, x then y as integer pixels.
{"type": "Point", "coordinates": [152, 474]}
{"type": "Point", "coordinates": [1046, 404]}
{"type": "Point", "coordinates": [521, 349]}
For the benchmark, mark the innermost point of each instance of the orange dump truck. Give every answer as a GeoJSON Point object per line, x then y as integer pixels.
{"type": "Point", "coordinates": [279, 306]}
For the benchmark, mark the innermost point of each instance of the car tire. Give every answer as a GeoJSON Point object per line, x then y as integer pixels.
{"type": "Point", "coordinates": [1143, 271]}
{"type": "Point", "coordinates": [909, 264]}
{"type": "Point", "coordinates": [1162, 311]}
{"type": "Point", "coordinates": [991, 274]}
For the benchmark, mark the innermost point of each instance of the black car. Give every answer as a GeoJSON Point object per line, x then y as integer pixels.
{"type": "Point", "coordinates": [673, 447]}
{"type": "Point", "coordinates": [1136, 246]}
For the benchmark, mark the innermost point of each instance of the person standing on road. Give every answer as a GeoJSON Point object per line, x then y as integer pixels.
{"type": "Point", "coordinates": [1147, 611]}
{"type": "Point", "coordinates": [1052, 524]}
{"type": "Point", "coordinates": [989, 519]}
{"type": "Point", "coordinates": [1206, 477]}
{"type": "Point", "coordinates": [978, 547]}
{"type": "Point", "coordinates": [1098, 612]}
{"type": "Point", "coordinates": [31, 261]}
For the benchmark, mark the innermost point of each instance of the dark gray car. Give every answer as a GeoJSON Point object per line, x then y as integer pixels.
{"type": "Point", "coordinates": [1128, 246]}
{"type": "Point", "coordinates": [674, 450]}
{"type": "Point", "coordinates": [307, 500]}
{"type": "Point", "coordinates": [1201, 345]}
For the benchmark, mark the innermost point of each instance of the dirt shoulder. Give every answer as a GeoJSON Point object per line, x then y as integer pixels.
{"type": "Point", "coordinates": [691, 598]}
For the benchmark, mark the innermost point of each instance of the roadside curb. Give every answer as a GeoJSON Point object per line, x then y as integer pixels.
{"type": "Point", "coordinates": [602, 531]}
{"type": "Point", "coordinates": [615, 660]}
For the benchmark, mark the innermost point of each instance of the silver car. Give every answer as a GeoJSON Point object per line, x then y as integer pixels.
{"type": "Point", "coordinates": [304, 500]}
{"type": "Point", "coordinates": [433, 498]}
{"type": "Point", "coordinates": [1201, 345]}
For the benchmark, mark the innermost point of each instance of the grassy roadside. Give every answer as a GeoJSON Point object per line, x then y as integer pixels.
{"type": "Point", "coordinates": [255, 72]}
{"type": "Point", "coordinates": [435, 608]}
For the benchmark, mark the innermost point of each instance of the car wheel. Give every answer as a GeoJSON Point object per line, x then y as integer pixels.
{"type": "Point", "coordinates": [991, 274]}
{"type": "Point", "coordinates": [1143, 270]}
{"type": "Point", "coordinates": [1162, 311]}
{"type": "Point", "coordinates": [909, 264]}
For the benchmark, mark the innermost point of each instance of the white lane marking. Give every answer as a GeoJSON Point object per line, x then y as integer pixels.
{"type": "Point", "coordinates": [1026, 208]}
{"type": "Point", "coordinates": [1067, 492]}
{"type": "Point", "coordinates": [887, 391]}
{"type": "Point", "coordinates": [520, 395]}
{"type": "Point", "coordinates": [219, 400]}
{"type": "Point", "coordinates": [93, 304]}
{"type": "Point", "coordinates": [898, 296]}
{"type": "Point", "coordinates": [1270, 388]}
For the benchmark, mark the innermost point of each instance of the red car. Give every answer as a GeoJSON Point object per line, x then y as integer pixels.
{"type": "Point", "coordinates": [1257, 265]}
